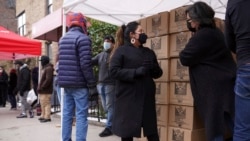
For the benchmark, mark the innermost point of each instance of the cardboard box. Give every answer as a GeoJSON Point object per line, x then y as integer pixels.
{"type": "Point", "coordinates": [164, 64]}
{"type": "Point", "coordinates": [179, 134]}
{"type": "Point", "coordinates": [180, 93]}
{"type": "Point", "coordinates": [143, 23]}
{"type": "Point", "coordinates": [163, 133]}
{"type": "Point", "coordinates": [157, 25]}
{"type": "Point", "coordinates": [162, 114]}
{"type": "Point", "coordinates": [184, 117]}
{"type": "Point", "coordinates": [160, 45]}
{"type": "Point", "coordinates": [177, 42]}
{"type": "Point", "coordinates": [162, 92]}
{"type": "Point", "coordinates": [178, 72]}
{"type": "Point", "coordinates": [178, 20]}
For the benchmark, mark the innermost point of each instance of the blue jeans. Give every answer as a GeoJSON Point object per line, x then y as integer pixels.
{"type": "Point", "coordinates": [107, 92]}
{"type": "Point", "coordinates": [58, 92]}
{"type": "Point", "coordinates": [219, 138]}
{"type": "Point", "coordinates": [75, 100]}
{"type": "Point", "coordinates": [242, 104]}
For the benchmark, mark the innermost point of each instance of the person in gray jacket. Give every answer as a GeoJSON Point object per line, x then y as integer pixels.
{"type": "Point", "coordinates": [106, 84]}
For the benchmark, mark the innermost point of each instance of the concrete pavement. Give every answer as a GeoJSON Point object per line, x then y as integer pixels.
{"type": "Point", "coordinates": [30, 129]}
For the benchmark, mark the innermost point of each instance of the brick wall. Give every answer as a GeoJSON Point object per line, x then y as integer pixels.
{"type": "Point", "coordinates": [7, 16]}
{"type": "Point", "coordinates": [36, 10]}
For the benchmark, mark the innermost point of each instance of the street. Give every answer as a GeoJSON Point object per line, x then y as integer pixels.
{"type": "Point", "coordinates": [30, 129]}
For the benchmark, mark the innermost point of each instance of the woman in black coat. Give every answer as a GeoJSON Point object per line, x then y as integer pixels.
{"type": "Point", "coordinates": [211, 69]}
{"type": "Point", "coordinates": [134, 67]}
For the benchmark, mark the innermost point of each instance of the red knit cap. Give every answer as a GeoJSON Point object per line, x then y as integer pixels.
{"type": "Point", "coordinates": [77, 19]}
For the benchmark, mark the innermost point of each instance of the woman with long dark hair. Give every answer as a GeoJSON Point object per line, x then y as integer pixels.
{"type": "Point", "coordinates": [134, 66]}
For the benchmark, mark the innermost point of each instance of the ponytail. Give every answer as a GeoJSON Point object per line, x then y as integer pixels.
{"type": "Point", "coordinates": [119, 38]}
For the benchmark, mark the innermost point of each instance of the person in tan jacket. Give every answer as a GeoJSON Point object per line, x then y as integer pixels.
{"type": "Point", "coordinates": [45, 89]}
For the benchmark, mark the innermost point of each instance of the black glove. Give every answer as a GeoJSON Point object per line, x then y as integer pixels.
{"type": "Point", "coordinates": [92, 90]}
{"type": "Point", "coordinates": [141, 71]}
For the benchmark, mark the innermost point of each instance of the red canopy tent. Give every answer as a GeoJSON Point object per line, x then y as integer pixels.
{"type": "Point", "coordinates": [14, 46]}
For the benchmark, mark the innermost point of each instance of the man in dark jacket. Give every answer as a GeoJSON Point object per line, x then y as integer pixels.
{"type": "Point", "coordinates": [106, 85]}
{"type": "Point", "coordinates": [238, 40]}
{"type": "Point", "coordinates": [45, 88]}
{"type": "Point", "coordinates": [75, 76]}
{"type": "Point", "coordinates": [23, 87]}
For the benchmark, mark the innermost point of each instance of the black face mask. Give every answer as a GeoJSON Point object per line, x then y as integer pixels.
{"type": "Point", "coordinates": [143, 38]}
{"type": "Point", "coordinates": [190, 28]}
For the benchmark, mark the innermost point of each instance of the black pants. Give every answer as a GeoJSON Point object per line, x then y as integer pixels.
{"type": "Point", "coordinates": [153, 137]}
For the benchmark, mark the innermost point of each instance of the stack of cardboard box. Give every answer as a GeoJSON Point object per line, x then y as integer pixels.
{"type": "Point", "coordinates": [184, 123]}
{"type": "Point", "coordinates": [177, 119]}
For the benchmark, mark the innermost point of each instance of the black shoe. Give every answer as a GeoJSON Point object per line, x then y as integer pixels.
{"type": "Point", "coordinates": [106, 132]}
{"type": "Point", "coordinates": [22, 116]}
{"type": "Point", "coordinates": [40, 118]}
{"type": "Point", "coordinates": [45, 120]}
{"type": "Point", "coordinates": [31, 114]}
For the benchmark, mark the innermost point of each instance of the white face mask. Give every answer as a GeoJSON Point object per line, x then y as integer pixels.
{"type": "Point", "coordinates": [106, 46]}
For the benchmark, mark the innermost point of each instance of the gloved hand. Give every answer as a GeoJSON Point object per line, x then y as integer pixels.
{"type": "Point", "coordinates": [141, 71]}
{"type": "Point", "coordinates": [92, 91]}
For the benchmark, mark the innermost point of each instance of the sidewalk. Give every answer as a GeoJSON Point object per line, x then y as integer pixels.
{"type": "Point", "coordinates": [30, 129]}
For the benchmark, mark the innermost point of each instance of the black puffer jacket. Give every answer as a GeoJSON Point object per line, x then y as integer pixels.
{"type": "Point", "coordinates": [24, 79]}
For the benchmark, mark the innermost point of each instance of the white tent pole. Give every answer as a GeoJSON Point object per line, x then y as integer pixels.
{"type": "Point", "coordinates": [62, 99]}
{"type": "Point", "coordinates": [62, 89]}
{"type": "Point", "coordinates": [63, 22]}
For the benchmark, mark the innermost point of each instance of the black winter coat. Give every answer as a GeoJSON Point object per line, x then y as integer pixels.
{"type": "Point", "coordinates": [23, 79]}
{"type": "Point", "coordinates": [212, 73]}
{"type": "Point", "coordinates": [134, 97]}
{"type": "Point", "coordinates": [12, 83]}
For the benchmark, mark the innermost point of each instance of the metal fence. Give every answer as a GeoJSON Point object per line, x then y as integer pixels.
{"type": "Point", "coordinates": [95, 107]}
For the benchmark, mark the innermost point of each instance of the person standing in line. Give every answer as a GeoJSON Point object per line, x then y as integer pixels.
{"type": "Point", "coordinates": [211, 71]}
{"type": "Point", "coordinates": [34, 77]}
{"type": "Point", "coordinates": [106, 85]}
{"type": "Point", "coordinates": [76, 76]}
{"type": "Point", "coordinates": [57, 87]}
{"type": "Point", "coordinates": [3, 86]}
{"type": "Point", "coordinates": [237, 33]}
{"type": "Point", "coordinates": [134, 67]}
{"type": "Point", "coordinates": [11, 89]}
{"type": "Point", "coordinates": [23, 87]}
{"type": "Point", "coordinates": [45, 89]}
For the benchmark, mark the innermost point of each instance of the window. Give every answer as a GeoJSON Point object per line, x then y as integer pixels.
{"type": "Point", "coordinates": [49, 49]}
{"type": "Point", "coordinates": [21, 24]}
{"type": "Point", "coordinates": [11, 4]}
{"type": "Point", "coordinates": [50, 6]}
